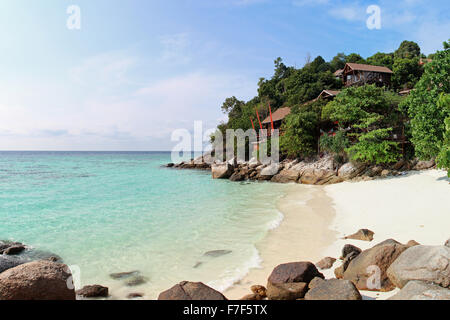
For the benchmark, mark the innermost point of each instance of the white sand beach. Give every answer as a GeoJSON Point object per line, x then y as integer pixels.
{"type": "Point", "coordinates": [411, 207]}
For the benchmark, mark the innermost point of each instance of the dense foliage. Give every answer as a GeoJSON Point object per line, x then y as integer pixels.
{"type": "Point", "coordinates": [443, 159]}
{"type": "Point", "coordinates": [369, 115]}
{"type": "Point", "coordinates": [427, 116]}
{"type": "Point", "coordinates": [367, 123]}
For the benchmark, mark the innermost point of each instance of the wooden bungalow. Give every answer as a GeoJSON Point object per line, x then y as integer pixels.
{"type": "Point", "coordinates": [328, 94]}
{"type": "Point", "coordinates": [277, 117]}
{"type": "Point", "coordinates": [360, 74]}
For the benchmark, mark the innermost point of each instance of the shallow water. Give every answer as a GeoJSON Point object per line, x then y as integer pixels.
{"type": "Point", "coordinates": [117, 212]}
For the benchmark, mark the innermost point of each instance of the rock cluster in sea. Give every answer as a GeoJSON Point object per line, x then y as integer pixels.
{"type": "Point", "coordinates": [321, 171]}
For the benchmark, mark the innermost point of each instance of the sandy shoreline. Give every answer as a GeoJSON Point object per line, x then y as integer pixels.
{"type": "Point", "coordinates": [412, 207]}
{"type": "Point", "coordinates": [302, 235]}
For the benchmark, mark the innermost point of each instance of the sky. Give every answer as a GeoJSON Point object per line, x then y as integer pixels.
{"type": "Point", "coordinates": [136, 70]}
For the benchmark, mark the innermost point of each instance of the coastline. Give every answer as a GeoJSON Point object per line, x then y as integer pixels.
{"type": "Point", "coordinates": [302, 235]}
{"type": "Point", "coordinates": [316, 218]}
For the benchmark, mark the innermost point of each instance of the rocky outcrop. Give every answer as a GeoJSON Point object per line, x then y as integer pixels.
{"type": "Point", "coordinates": [333, 289]}
{"type": "Point", "coordinates": [362, 234]}
{"type": "Point", "coordinates": [39, 280]}
{"type": "Point", "coordinates": [252, 297]}
{"type": "Point", "coordinates": [290, 281]}
{"type": "Point", "coordinates": [424, 165]}
{"type": "Point", "coordinates": [191, 291]}
{"type": "Point", "coordinates": [412, 243]}
{"type": "Point", "coordinates": [326, 263]}
{"type": "Point", "coordinates": [350, 170]}
{"type": "Point", "coordinates": [419, 290]}
{"type": "Point", "coordinates": [221, 171]}
{"type": "Point", "coordinates": [7, 245]}
{"type": "Point", "coordinates": [368, 271]}
{"type": "Point", "coordinates": [426, 263]}
{"type": "Point", "coordinates": [94, 291]}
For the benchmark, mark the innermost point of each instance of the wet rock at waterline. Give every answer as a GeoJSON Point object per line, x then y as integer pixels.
{"type": "Point", "coordinates": [93, 291]}
{"type": "Point", "coordinates": [124, 275]}
{"type": "Point", "coordinates": [217, 253]}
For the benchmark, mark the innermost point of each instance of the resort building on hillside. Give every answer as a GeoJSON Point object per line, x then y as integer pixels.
{"type": "Point", "coordinates": [277, 117]}
{"type": "Point", "coordinates": [356, 74]}
{"type": "Point", "coordinates": [328, 94]}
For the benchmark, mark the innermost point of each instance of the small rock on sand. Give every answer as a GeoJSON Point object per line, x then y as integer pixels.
{"type": "Point", "coordinates": [362, 234]}
{"type": "Point", "coordinates": [326, 263]}
{"type": "Point", "coordinates": [123, 275]}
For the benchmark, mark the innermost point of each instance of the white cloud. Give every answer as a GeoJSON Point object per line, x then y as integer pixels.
{"type": "Point", "coordinates": [176, 48]}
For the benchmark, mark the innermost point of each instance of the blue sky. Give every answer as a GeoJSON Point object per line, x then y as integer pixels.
{"type": "Point", "coordinates": [138, 69]}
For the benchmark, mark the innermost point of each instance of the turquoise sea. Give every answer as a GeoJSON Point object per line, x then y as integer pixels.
{"type": "Point", "coordinates": [108, 212]}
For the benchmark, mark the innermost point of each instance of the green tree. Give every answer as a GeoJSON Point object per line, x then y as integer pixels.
{"type": "Point", "coordinates": [443, 159]}
{"type": "Point", "coordinates": [355, 58]}
{"type": "Point", "coordinates": [369, 114]}
{"type": "Point", "coordinates": [407, 50]}
{"type": "Point", "coordinates": [382, 59]}
{"type": "Point", "coordinates": [427, 116]}
{"type": "Point", "coordinates": [338, 62]}
{"type": "Point", "coordinates": [300, 138]}
{"type": "Point", "coordinates": [407, 73]}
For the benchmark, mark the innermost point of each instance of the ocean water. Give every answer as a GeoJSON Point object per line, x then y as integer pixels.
{"type": "Point", "coordinates": [109, 212]}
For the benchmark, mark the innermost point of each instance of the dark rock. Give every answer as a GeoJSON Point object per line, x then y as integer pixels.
{"type": "Point", "coordinates": [294, 272]}
{"type": "Point", "coordinates": [5, 244]}
{"type": "Point", "coordinates": [259, 290]}
{"type": "Point", "coordinates": [8, 262]}
{"type": "Point", "coordinates": [124, 275]}
{"type": "Point", "coordinates": [13, 250]}
{"type": "Point", "coordinates": [170, 165]}
{"type": "Point", "coordinates": [290, 281]}
{"type": "Point", "coordinates": [326, 263]}
{"type": "Point", "coordinates": [368, 270]}
{"type": "Point", "coordinates": [135, 280]}
{"type": "Point", "coordinates": [237, 176]}
{"type": "Point", "coordinates": [135, 295]}
{"type": "Point", "coordinates": [348, 249]}
{"type": "Point", "coordinates": [333, 289]}
{"type": "Point", "coordinates": [286, 291]}
{"type": "Point", "coordinates": [217, 253]}
{"type": "Point", "coordinates": [38, 280]}
{"type": "Point", "coordinates": [363, 234]}
{"type": "Point", "coordinates": [447, 243]}
{"type": "Point", "coordinates": [252, 297]}
{"type": "Point", "coordinates": [191, 291]}
{"type": "Point", "coordinates": [94, 291]}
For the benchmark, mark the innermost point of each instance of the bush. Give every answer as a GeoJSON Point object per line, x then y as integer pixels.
{"type": "Point", "coordinates": [443, 159]}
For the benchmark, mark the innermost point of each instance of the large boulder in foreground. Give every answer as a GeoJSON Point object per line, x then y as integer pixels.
{"type": "Point", "coordinates": [333, 289]}
{"type": "Point", "coordinates": [221, 171]}
{"type": "Point", "coordinates": [290, 281]}
{"type": "Point", "coordinates": [191, 291]}
{"type": "Point", "coordinates": [368, 271]}
{"type": "Point", "coordinates": [39, 280]}
{"type": "Point", "coordinates": [419, 290]}
{"type": "Point", "coordinates": [426, 263]}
